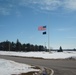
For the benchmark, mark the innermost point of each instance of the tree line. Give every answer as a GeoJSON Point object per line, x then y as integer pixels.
{"type": "Point", "coordinates": [18, 46]}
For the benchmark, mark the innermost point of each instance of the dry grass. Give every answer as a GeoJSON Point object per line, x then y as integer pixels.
{"type": "Point", "coordinates": [48, 72]}
{"type": "Point", "coordinates": [29, 73]}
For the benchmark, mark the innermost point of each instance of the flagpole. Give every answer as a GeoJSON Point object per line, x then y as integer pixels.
{"type": "Point", "coordinates": [42, 28]}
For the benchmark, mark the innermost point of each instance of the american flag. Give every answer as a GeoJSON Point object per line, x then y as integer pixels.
{"type": "Point", "coordinates": [41, 28]}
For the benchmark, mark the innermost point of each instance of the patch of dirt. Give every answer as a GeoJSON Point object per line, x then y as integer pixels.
{"type": "Point", "coordinates": [43, 71]}
{"type": "Point", "coordinates": [35, 67]}
{"type": "Point", "coordinates": [29, 73]}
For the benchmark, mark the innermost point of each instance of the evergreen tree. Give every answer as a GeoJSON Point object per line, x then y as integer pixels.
{"type": "Point", "coordinates": [1, 46]}
{"type": "Point", "coordinates": [28, 48]}
{"type": "Point", "coordinates": [60, 49]}
{"type": "Point", "coordinates": [23, 47]}
{"type": "Point", "coordinates": [41, 48]}
{"type": "Point", "coordinates": [32, 47]}
{"type": "Point", "coordinates": [36, 47]}
{"type": "Point", "coordinates": [13, 46]}
{"type": "Point", "coordinates": [18, 45]}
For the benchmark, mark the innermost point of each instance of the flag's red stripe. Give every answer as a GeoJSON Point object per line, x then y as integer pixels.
{"type": "Point", "coordinates": [41, 28]}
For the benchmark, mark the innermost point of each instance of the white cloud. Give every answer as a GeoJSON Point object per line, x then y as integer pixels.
{"type": "Point", "coordinates": [50, 5]}
{"type": "Point", "coordinates": [65, 29]}
{"type": "Point", "coordinates": [41, 5]}
{"type": "Point", "coordinates": [71, 37]}
{"type": "Point", "coordinates": [4, 11]}
{"type": "Point", "coordinates": [6, 6]}
{"type": "Point", "coordinates": [70, 4]}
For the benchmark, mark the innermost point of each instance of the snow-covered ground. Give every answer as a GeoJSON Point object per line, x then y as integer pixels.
{"type": "Point", "coordinates": [8, 67]}
{"type": "Point", "coordinates": [45, 55]}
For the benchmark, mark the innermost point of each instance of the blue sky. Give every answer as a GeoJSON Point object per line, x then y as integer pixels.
{"type": "Point", "coordinates": [20, 19]}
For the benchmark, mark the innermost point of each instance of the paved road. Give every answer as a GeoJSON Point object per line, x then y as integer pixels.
{"type": "Point", "coordinates": [61, 67]}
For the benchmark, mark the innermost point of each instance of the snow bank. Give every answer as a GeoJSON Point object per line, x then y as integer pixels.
{"type": "Point", "coordinates": [45, 55]}
{"type": "Point", "coordinates": [8, 67]}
